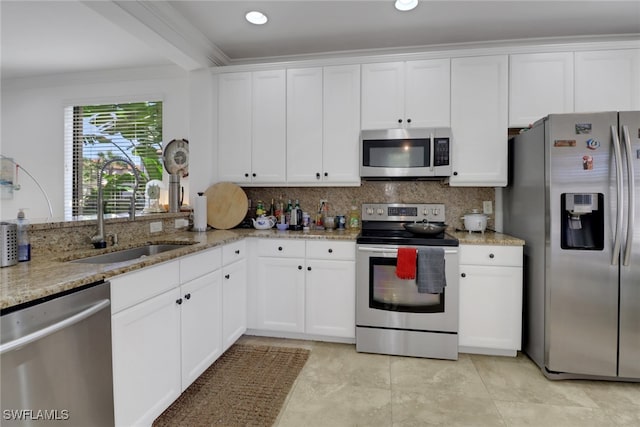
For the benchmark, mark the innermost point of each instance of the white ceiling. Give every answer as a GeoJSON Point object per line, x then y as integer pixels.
{"type": "Point", "coordinates": [53, 37]}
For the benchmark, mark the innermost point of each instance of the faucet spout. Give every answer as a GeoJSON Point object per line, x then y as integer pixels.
{"type": "Point", "coordinates": [98, 239]}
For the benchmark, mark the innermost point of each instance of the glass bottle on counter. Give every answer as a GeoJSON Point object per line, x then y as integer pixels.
{"type": "Point", "coordinates": [354, 216]}
{"type": "Point", "coordinates": [287, 212]}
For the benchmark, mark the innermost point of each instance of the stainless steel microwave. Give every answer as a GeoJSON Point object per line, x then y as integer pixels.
{"type": "Point", "coordinates": [405, 153]}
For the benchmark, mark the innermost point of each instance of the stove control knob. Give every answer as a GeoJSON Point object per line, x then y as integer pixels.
{"type": "Point", "coordinates": [369, 211]}
{"type": "Point", "coordinates": [425, 212]}
{"type": "Point", "coordinates": [380, 211]}
{"type": "Point", "coordinates": [435, 211]}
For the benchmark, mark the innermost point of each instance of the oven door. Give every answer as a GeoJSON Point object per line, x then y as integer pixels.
{"type": "Point", "coordinates": [385, 301]}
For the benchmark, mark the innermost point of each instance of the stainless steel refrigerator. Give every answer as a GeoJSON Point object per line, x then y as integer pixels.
{"type": "Point", "coordinates": [574, 197]}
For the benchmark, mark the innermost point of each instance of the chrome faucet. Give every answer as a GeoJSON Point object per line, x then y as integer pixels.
{"type": "Point", "coordinates": [99, 239]}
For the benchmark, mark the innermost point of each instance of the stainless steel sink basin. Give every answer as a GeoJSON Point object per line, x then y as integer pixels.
{"type": "Point", "coordinates": [131, 254]}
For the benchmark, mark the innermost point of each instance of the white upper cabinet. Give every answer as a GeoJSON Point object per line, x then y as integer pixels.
{"type": "Point", "coordinates": [234, 127]}
{"type": "Point", "coordinates": [479, 119]}
{"type": "Point", "coordinates": [539, 84]}
{"type": "Point", "coordinates": [304, 124]}
{"type": "Point", "coordinates": [406, 94]}
{"type": "Point", "coordinates": [251, 127]}
{"type": "Point", "coordinates": [607, 80]}
{"type": "Point", "coordinates": [323, 111]}
{"type": "Point", "coordinates": [341, 129]}
{"type": "Point", "coordinates": [269, 127]}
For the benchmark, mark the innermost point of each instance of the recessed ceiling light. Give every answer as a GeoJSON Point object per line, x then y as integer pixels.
{"type": "Point", "coordinates": [405, 5]}
{"type": "Point", "coordinates": [257, 18]}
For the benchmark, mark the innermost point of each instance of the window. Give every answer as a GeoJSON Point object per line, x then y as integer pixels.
{"type": "Point", "coordinates": [95, 134]}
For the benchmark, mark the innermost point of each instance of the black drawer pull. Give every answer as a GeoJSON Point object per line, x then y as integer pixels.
{"type": "Point", "coordinates": [187, 296]}
{"type": "Point", "coordinates": [237, 251]}
{"type": "Point", "coordinates": [330, 250]}
{"type": "Point", "coordinates": [299, 267]}
{"type": "Point", "coordinates": [179, 301]}
{"type": "Point", "coordinates": [491, 256]}
{"type": "Point", "coordinates": [279, 248]}
{"type": "Point", "coordinates": [463, 275]}
{"type": "Point", "coordinates": [226, 276]}
{"type": "Point", "coordinates": [308, 268]}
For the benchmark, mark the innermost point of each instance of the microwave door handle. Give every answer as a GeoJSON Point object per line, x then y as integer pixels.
{"type": "Point", "coordinates": [619, 194]}
{"type": "Point", "coordinates": [431, 153]}
{"type": "Point", "coordinates": [631, 208]}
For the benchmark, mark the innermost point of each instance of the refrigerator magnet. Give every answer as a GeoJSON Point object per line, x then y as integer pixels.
{"type": "Point", "coordinates": [587, 163]}
{"type": "Point", "coordinates": [593, 144]}
{"type": "Point", "coordinates": [583, 128]}
{"type": "Point", "coordinates": [564, 143]}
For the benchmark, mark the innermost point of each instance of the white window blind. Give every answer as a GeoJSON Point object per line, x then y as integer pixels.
{"type": "Point", "coordinates": [95, 134]}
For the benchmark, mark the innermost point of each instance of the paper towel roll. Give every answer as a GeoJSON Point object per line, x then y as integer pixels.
{"type": "Point", "coordinates": [200, 213]}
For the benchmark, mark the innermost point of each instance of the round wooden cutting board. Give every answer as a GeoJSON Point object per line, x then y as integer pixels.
{"type": "Point", "coordinates": [227, 205]}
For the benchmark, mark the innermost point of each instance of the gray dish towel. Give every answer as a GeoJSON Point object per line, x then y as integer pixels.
{"type": "Point", "coordinates": [430, 277]}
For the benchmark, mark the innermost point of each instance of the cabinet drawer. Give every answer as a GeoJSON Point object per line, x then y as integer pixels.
{"type": "Point", "coordinates": [199, 264]}
{"type": "Point", "coordinates": [233, 251]}
{"type": "Point", "coordinates": [282, 248]}
{"type": "Point", "coordinates": [132, 288]}
{"type": "Point", "coordinates": [331, 249]}
{"type": "Point", "coordinates": [491, 255]}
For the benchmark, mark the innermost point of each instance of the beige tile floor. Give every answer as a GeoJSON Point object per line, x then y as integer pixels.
{"type": "Point", "coordinates": [340, 387]}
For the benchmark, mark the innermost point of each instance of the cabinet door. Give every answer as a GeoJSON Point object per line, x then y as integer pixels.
{"type": "Point", "coordinates": [607, 80]}
{"type": "Point", "coordinates": [539, 84]}
{"type": "Point", "coordinates": [330, 298]}
{"type": "Point", "coordinates": [490, 307]}
{"type": "Point", "coordinates": [304, 125]}
{"type": "Point", "coordinates": [268, 151]}
{"type": "Point", "coordinates": [281, 294]}
{"type": "Point", "coordinates": [201, 325]}
{"type": "Point", "coordinates": [234, 302]}
{"type": "Point", "coordinates": [234, 127]}
{"type": "Point", "coordinates": [427, 93]}
{"type": "Point", "coordinates": [341, 129]}
{"type": "Point", "coordinates": [479, 120]}
{"type": "Point", "coordinates": [383, 95]}
{"type": "Point", "coordinates": [146, 359]}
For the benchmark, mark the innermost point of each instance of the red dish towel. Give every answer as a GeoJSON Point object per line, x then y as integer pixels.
{"type": "Point", "coordinates": [406, 264]}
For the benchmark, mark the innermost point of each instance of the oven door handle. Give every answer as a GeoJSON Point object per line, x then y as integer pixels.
{"type": "Point", "coordinates": [393, 250]}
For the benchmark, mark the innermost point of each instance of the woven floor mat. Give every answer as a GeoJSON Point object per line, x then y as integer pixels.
{"type": "Point", "coordinates": [246, 386]}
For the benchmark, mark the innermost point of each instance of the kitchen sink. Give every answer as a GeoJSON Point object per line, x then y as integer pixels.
{"type": "Point", "coordinates": [131, 254]}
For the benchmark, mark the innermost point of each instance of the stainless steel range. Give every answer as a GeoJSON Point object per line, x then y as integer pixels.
{"type": "Point", "coordinates": [392, 315]}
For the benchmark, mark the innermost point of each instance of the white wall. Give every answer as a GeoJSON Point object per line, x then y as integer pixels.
{"type": "Point", "coordinates": [33, 124]}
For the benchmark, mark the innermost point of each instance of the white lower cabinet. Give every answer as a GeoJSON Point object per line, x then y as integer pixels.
{"type": "Point", "coordinates": [201, 325]}
{"type": "Point", "coordinates": [490, 319]}
{"type": "Point", "coordinates": [167, 329]}
{"type": "Point", "coordinates": [234, 302]}
{"type": "Point", "coordinates": [146, 357]}
{"type": "Point", "coordinates": [305, 287]}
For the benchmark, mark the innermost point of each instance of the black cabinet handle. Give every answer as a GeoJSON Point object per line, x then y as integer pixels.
{"type": "Point", "coordinates": [408, 120]}
{"type": "Point", "coordinates": [237, 251]}
{"type": "Point", "coordinates": [253, 174]}
{"type": "Point", "coordinates": [317, 175]}
{"type": "Point", "coordinates": [280, 248]}
{"type": "Point", "coordinates": [463, 275]}
{"type": "Point", "coordinates": [179, 301]}
{"type": "Point", "coordinates": [326, 174]}
{"type": "Point", "coordinates": [226, 276]}
{"type": "Point", "coordinates": [455, 173]}
{"type": "Point", "coordinates": [399, 120]}
{"type": "Point", "coordinates": [330, 250]}
{"type": "Point", "coordinates": [491, 256]}
{"type": "Point", "coordinates": [187, 296]}
{"type": "Point", "coordinates": [299, 267]}
{"type": "Point", "coordinates": [246, 175]}
{"type": "Point", "coordinates": [308, 268]}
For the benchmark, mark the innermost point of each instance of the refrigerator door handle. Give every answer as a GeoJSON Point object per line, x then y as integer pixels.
{"type": "Point", "coordinates": [631, 208]}
{"type": "Point", "coordinates": [617, 239]}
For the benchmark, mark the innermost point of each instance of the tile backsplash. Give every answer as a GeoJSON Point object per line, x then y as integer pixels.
{"type": "Point", "coordinates": [458, 200]}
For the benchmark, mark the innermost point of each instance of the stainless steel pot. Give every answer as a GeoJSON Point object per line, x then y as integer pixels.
{"type": "Point", "coordinates": [426, 228]}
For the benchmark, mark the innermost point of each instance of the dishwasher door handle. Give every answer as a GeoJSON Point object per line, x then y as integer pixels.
{"type": "Point", "coordinates": [41, 333]}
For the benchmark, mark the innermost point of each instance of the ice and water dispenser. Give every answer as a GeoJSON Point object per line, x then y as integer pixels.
{"type": "Point", "coordinates": [582, 221]}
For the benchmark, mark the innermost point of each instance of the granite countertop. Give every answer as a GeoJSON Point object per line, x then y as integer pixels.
{"type": "Point", "coordinates": [486, 238]}
{"type": "Point", "coordinates": [45, 276]}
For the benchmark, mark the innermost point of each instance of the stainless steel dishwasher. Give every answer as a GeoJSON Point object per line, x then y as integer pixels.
{"type": "Point", "coordinates": [56, 361]}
